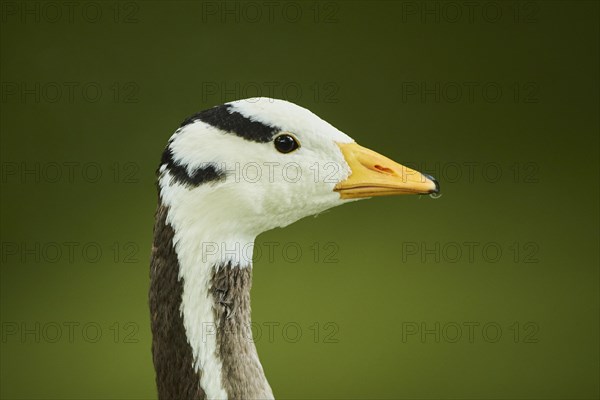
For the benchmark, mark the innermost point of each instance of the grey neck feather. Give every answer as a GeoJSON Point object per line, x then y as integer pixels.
{"type": "Point", "coordinates": [242, 374]}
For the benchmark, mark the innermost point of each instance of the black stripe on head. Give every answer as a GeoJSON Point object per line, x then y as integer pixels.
{"type": "Point", "coordinates": [180, 174]}
{"type": "Point", "coordinates": [225, 119]}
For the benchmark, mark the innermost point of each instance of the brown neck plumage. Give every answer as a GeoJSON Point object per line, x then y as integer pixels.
{"type": "Point", "coordinates": [242, 375]}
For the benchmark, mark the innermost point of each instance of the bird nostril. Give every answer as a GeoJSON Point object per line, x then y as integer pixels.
{"type": "Point", "coordinates": [384, 170]}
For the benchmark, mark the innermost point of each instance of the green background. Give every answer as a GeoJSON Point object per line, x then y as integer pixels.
{"type": "Point", "coordinates": [378, 271]}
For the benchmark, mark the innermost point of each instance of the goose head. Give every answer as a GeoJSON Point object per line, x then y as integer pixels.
{"type": "Point", "coordinates": [252, 165]}
{"type": "Point", "coordinates": [228, 174]}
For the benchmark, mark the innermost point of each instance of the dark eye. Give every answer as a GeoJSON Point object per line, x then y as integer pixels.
{"type": "Point", "coordinates": [286, 143]}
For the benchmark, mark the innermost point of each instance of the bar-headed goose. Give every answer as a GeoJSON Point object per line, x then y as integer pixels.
{"type": "Point", "coordinates": [228, 174]}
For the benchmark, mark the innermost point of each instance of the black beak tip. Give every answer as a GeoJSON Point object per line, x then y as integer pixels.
{"type": "Point", "coordinates": [437, 184]}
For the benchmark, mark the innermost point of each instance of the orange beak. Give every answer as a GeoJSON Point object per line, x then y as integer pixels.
{"type": "Point", "coordinates": [375, 175]}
